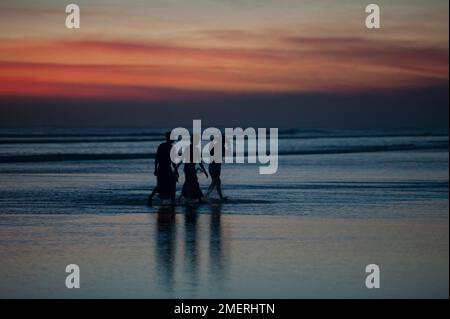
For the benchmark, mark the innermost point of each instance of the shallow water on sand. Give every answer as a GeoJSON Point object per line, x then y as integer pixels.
{"type": "Point", "coordinates": [340, 200]}
{"type": "Point", "coordinates": [223, 256]}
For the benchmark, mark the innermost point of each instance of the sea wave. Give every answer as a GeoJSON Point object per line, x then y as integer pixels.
{"type": "Point", "coordinates": [135, 135]}
{"type": "Point", "coordinates": [58, 157]}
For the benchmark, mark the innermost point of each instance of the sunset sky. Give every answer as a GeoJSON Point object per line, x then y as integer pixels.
{"type": "Point", "coordinates": [162, 52]}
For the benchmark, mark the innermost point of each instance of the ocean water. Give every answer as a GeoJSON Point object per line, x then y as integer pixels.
{"type": "Point", "coordinates": [341, 199]}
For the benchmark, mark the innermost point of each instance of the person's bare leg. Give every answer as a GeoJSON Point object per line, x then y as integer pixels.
{"type": "Point", "coordinates": [210, 188]}
{"type": "Point", "coordinates": [149, 200]}
{"type": "Point", "coordinates": [219, 190]}
{"type": "Point", "coordinates": [150, 197]}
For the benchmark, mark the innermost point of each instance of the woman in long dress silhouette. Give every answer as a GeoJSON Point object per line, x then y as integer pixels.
{"type": "Point", "coordinates": [191, 188]}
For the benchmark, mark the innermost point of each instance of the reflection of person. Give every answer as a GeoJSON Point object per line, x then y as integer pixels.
{"type": "Point", "coordinates": [165, 246]}
{"type": "Point", "coordinates": [191, 245]}
{"type": "Point", "coordinates": [166, 172]}
{"type": "Point", "coordinates": [214, 169]}
{"type": "Point", "coordinates": [216, 242]}
{"type": "Point", "coordinates": [191, 188]}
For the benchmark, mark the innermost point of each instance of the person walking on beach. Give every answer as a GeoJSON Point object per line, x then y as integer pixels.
{"type": "Point", "coordinates": [214, 169]}
{"type": "Point", "coordinates": [166, 173]}
{"type": "Point", "coordinates": [191, 188]}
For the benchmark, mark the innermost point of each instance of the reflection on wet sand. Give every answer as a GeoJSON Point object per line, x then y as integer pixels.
{"type": "Point", "coordinates": [168, 248]}
{"type": "Point", "coordinates": [191, 245]}
{"type": "Point", "coordinates": [215, 244]}
{"type": "Point", "coordinates": [165, 247]}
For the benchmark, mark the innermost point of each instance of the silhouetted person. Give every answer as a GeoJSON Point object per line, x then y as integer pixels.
{"type": "Point", "coordinates": [165, 172]}
{"type": "Point", "coordinates": [215, 170]}
{"type": "Point", "coordinates": [191, 188]}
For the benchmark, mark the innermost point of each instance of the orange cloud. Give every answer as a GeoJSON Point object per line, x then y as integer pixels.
{"type": "Point", "coordinates": [151, 70]}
